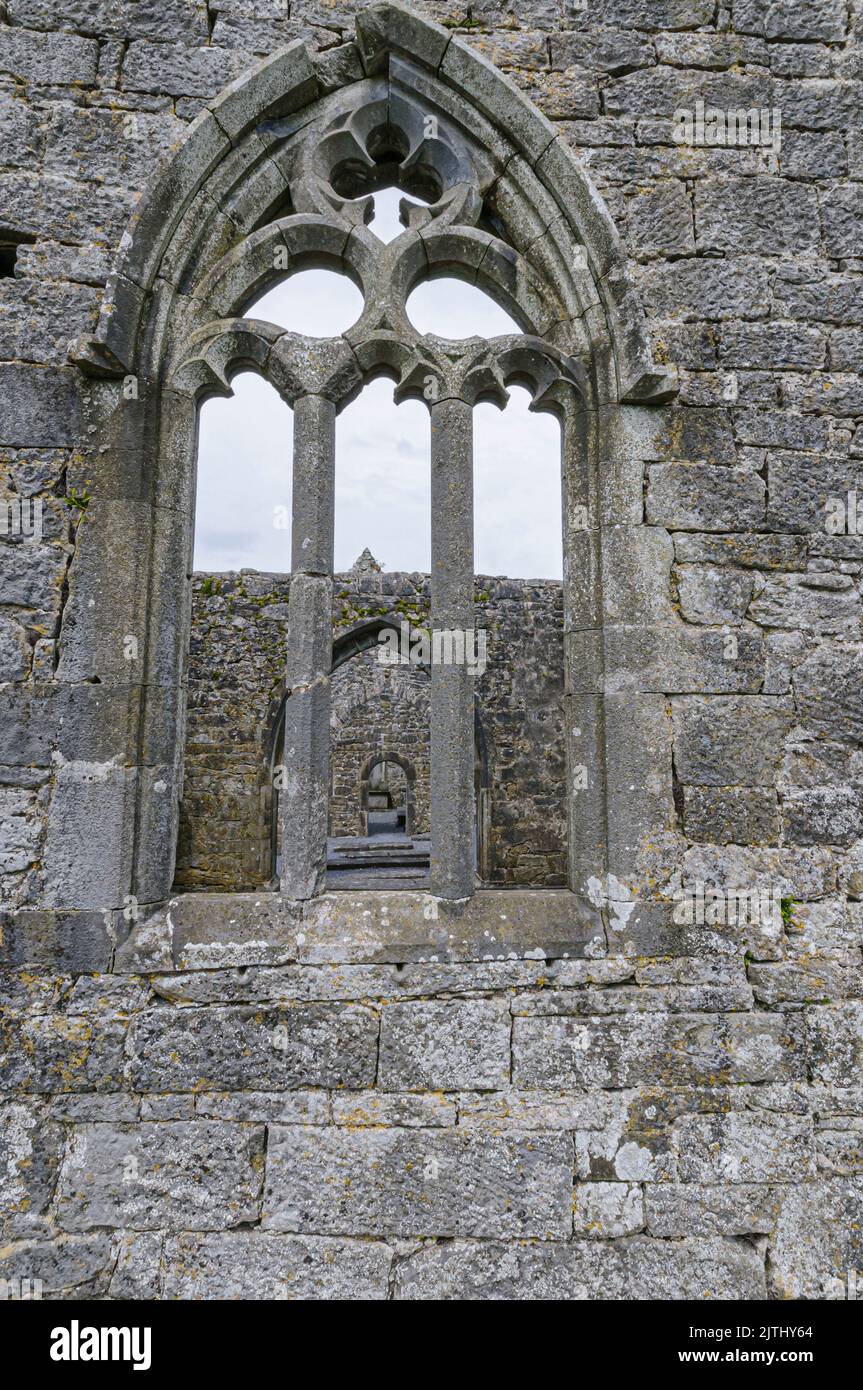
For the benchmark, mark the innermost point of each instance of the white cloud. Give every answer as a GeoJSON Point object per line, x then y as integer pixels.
{"type": "Point", "coordinates": [382, 451]}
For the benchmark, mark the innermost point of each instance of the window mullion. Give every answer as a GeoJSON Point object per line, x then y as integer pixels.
{"type": "Point", "coordinates": [305, 794]}
{"type": "Point", "coordinates": [452, 681]}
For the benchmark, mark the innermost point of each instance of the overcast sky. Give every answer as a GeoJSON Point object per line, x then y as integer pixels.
{"type": "Point", "coordinates": [382, 451]}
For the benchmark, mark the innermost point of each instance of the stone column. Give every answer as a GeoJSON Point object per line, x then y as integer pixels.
{"type": "Point", "coordinates": [306, 787]}
{"type": "Point", "coordinates": [583, 705]}
{"type": "Point", "coordinates": [452, 683]}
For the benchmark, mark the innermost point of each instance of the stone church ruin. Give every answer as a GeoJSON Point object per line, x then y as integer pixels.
{"type": "Point", "coordinates": [325, 976]}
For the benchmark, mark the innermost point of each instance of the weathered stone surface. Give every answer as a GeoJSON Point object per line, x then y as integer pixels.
{"type": "Point", "coordinates": [61, 1052]}
{"type": "Point", "coordinates": [731, 815]}
{"type": "Point", "coordinates": [707, 289]}
{"type": "Point", "coordinates": [811, 980]}
{"type": "Point", "coordinates": [829, 692]}
{"type": "Point", "coordinates": [675, 1210]}
{"type": "Point", "coordinates": [180, 71]}
{"type": "Point", "coordinates": [744, 1148]}
{"type": "Point", "coordinates": [827, 604]}
{"type": "Point", "coordinates": [29, 1162]}
{"type": "Point", "coordinates": [264, 1107]}
{"type": "Point", "coordinates": [791, 873]}
{"type": "Point", "coordinates": [182, 20]}
{"type": "Point", "coordinates": [403, 1182]}
{"type": "Point", "coordinates": [734, 214]}
{"type": "Point", "coordinates": [728, 741]}
{"type": "Point", "coordinates": [202, 1175]}
{"type": "Point", "coordinates": [818, 1240]}
{"type": "Point", "coordinates": [637, 1268]}
{"type": "Point", "coordinates": [259, 1265]}
{"type": "Point", "coordinates": [604, 1210]}
{"type": "Point", "coordinates": [655, 1048]}
{"type": "Point", "coordinates": [444, 1047]}
{"type": "Point", "coordinates": [47, 58]}
{"type": "Point", "coordinates": [684, 1119]}
{"type": "Point", "coordinates": [703, 497]}
{"type": "Point", "coordinates": [250, 1048]}
{"type": "Point", "coordinates": [836, 1042]}
{"type": "Point", "coordinates": [709, 595]}
{"type": "Point", "coordinates": [38, 406]}
{"type": "Point", "coordinates": [74, 1267]}
{"type": "Point", "coordinates": [823, 816]}
{"type": "Point", "coordinates": [748, 551]}
{"type": "Point", "coordinates": [422, 1111]}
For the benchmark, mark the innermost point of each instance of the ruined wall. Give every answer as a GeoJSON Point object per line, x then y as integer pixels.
{"type": "Point", "coordinates": [377, 709]}
{"type": "Point", "coordinates": [662, 1116]}
{"type": "Point", "coordinates": [236, 683]}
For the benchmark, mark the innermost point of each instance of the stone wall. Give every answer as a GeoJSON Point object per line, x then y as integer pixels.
{"type": "Point", "coordinates": [659, 1111]}
{"type": "Point", "coordinates": [377, 709]}
{"type": "Point", "coordinates": [236, 686]}
{"type": "Point", "coordinates": [583, 1128]}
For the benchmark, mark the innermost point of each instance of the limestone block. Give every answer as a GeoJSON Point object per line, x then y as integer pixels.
{"type": "Point", "coordinates": [253, 1264]}
{"type": "Point", "coordinates": [200, 1174]}
{"type": "Point", "coordinates": [659, 220]}
{"type": "Point", "coordinates": [731, 815]}
{"type": "Point", "coordinates": [842, 211]}
{"type": "Point", "coordinates": [654, 1049]}
{"type": "Point", "coordinates": [729, 740]}
{"type": "Point", "coordinates": [800, 486]}
{"type": "Point", "coordinates": [179, 71]}
{"type": "Point", "coordinates": [703, 497]}
{"type": "Point", "coordinates": [55, 1052]}
{"type": "Point", "coordinates": [19, 132]}
{"type": "Point", "coordinates": [30, 1146]}
{"type": "Point", "coordinates": [75, 941]}
{"type": "Point", "coordinates": [461, 1045]}
{"type": "Point", "coordinates": [829, 692]}
{"type": "Point", "coordinates": [696, 289]}
{"type": "Point", "coordinates": [818, 1239]}
{"type": "Point", "coordinates": [813, 20]}
{"type": "Point", "coordinates": [678, 657]}
{"type": "Point", "coordinates": [822, 815]}
{"type": "Point", "coordinates": [265, 1107]}
{"type": "Point", "coordinates": [675, 1210]}
{"type": "Point", "coordinates": [422, 1111]}
{"type": "Point", "coordinates": [165, 20]}
{"type": "Point", "coordinates": [745, 1148]}
{"type": "Point", "coordinates": [746, 549]}
{"type": "Point", "coordinates": [793, 873]}
{"type": "Point", "coordinates": [604, 1210]}
{"type": "Point", "coordinates": [48, 58]}
{"type": "Point", "coordinates": [410, 1182]}
{"type": "Point", "coordinates": [88, 859]}
{"type": "Point", "coordinates": [222, 1049]}
{"type": "Point", "coordinates": [712, 595]}
{"type": "Point", "coordinates": [772, 347]}
{"type": "Point", "coordinates": [38, 405]}
{"type": "Point", "coordinates": [73, 1267]}
{"type": "Point", "coordinates": [836, 1042]}
{"type": "Point", "coordinates": [637, 1267]}
{"type": "Point", "coordinates": [813, 979]}
{"type": "Point", "coordinates": [735, 214]}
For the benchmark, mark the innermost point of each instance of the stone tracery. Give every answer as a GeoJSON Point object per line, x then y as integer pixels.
{"type": "Point", "coordinates": [276, 177]}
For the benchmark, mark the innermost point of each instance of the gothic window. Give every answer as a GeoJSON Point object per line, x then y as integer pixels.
{"type": "Point", "coordinates": [278, 177]}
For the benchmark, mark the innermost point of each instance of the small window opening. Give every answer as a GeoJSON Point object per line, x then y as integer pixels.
{"type": "Point", "coordinates": [316, 303]}
{"type": "Point", "coordinates": [452, 308]}
{"type": "Point", "coordinates": [9, 244]}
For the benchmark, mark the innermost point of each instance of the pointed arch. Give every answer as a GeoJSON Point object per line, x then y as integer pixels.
{"type": "Point", "coordinates": [263, 180]}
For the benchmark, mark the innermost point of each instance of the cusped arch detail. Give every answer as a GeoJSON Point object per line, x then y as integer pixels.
{"type": "Point", "coordinates": [274, 129]}
{"type": "Point", "coordinates": [266, 169]}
